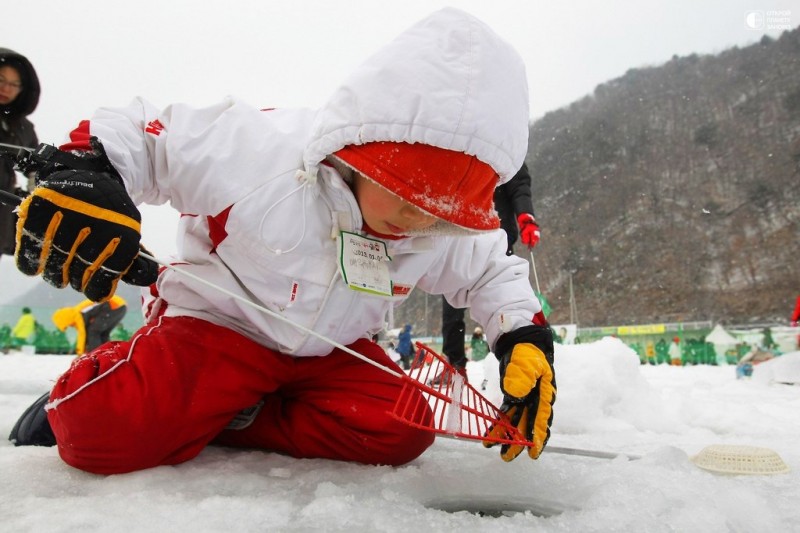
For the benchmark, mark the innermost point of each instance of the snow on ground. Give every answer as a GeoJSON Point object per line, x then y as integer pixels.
{"type": "Point", "coordinates": [606, 401]}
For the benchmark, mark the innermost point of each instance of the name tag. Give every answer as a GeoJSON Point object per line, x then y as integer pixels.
{"type": "Point", "coordinates": [365, 264]}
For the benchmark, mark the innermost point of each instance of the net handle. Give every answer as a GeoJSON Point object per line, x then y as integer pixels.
{"type": "Point", "coordinates": [436, 398]}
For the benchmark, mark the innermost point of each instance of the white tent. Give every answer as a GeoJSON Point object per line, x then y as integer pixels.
{"type": "Point", "coordinates": [719, 337]}
{"type": "Point", "coordinates": [722, 341]}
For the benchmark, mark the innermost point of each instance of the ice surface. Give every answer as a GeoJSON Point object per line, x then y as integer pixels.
{"type": "Point", "coordinates": [606, 401]}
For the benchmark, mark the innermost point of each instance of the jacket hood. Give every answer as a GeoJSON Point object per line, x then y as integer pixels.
{"type": "Point", "coordinates": [27, 100]}
{"type": "Point", "coordinates": [448, 81]}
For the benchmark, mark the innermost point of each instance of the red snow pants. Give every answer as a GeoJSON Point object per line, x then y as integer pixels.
{"type": "Point", "coordinates": [161, 397]}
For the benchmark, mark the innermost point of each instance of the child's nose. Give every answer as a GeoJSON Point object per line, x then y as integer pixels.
{"type": "Point", "coordinates": [416, 217]}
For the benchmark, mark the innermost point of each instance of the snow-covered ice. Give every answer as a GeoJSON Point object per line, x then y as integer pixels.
{"type": "Point", "coordinates": [606, 402]}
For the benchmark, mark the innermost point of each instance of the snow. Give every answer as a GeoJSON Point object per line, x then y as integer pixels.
{"type": "Point", "coordinates": [606, 402]}
{"type": "Point", "coordinates": [784, 369]}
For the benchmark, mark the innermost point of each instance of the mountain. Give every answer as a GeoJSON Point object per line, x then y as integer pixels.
{"type": "Point", "coordinates": [671, 193]}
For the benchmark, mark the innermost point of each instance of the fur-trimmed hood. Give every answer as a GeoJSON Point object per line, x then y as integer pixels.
{"type": "Point", "coordinates": [27, 100]}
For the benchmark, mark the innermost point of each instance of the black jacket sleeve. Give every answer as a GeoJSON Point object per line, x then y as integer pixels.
{"type": "Point", "coordinates": [519, 192]}
{"type": "Point", "coordinates": [510, 200]}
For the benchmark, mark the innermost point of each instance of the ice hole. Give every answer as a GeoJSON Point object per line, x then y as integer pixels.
{"type": "Point", "coordinates": [494, 508]}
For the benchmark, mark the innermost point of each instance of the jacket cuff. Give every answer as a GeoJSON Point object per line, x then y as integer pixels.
{"type": "Point", "coordinates": [539, 336]}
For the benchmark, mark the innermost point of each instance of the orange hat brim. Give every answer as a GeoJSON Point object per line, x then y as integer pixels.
{"type": "Point", "coordinates": [453, 186]}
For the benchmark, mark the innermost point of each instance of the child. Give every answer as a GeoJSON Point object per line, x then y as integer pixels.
{"type": "Point", "coordinates": [328, 217]}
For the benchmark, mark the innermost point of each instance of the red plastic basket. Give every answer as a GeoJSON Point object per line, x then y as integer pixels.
{"type": "Point", "coordinates": [455, 408]}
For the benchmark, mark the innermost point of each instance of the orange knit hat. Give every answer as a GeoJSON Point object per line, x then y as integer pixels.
{"type": "Point", "coordinates": [450, 185]}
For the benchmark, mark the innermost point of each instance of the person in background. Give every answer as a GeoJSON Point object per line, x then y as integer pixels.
{"type": "Point", "coordinates": [327, 216]}
{"type": "Point", "coordinates": [675, 355]}
{"type": "Point", "coordinates": [662, 351]}
{"type": "Point", "coordinates": [561, 338]}
{"type": "Point", "coordinates": [405, 347]}
{"type": "Point", "coordinates": [479, 348]}
{"type": "Point", "coordinates": [767, 341]}
{"type": "Point", "coordinates": [93, 321]}
{"type": "Point", "coordinates": [650, 352]}
{"type": "Point", "coordinates": [512, 201]}
{"type": "Point", "coordinates": [19, 96]}
{"type": "Point", "coordinates": [24, 329]}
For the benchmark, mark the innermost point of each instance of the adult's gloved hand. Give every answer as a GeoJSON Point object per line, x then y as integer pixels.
{"type": "Point", "coordinates": [81, 227]}
{"type": "Point", "coordinates": [528, 383]}
{"type": "Point", "coordinates": [529, 232]}
{"type": "Point", "coordinates": [46, 159]}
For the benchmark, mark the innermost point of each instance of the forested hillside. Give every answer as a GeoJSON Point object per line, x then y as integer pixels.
{"type": "Point", "coordinates": [673, 192]}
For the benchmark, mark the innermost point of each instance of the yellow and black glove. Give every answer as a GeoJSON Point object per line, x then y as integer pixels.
{"type": "Point", "coordinates": [528, 382]}
{"type": "Point", "coordinates": [81, 227]}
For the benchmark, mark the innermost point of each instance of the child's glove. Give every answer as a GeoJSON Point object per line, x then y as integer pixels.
{"type": "Point", "coordinates": [81, 227]}
{"type": "Point", "coordinates": [528, 383]}
{"type": "Point", "coordinates": [529, 232]}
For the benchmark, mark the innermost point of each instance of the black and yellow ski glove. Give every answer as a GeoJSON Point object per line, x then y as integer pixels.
{"type": "Point", "coordinates": [81, 227]}
{"type": "Point", "coordinates": [528, 383]}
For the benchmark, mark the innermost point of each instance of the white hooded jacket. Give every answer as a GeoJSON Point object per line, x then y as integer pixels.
{"type": "Point", "coordinates": [262, 212]}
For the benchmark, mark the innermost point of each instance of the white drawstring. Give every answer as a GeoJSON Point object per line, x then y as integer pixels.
{"type": "Point", "coordinates": [307, 180]}
{"type": "Point", "coordinates": [273, 314]}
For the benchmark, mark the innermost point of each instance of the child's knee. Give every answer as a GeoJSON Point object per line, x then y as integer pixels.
{"type": "Point", "coordinates": [411, 444]}
{"type": "Point", "coordinates": [108, 436]}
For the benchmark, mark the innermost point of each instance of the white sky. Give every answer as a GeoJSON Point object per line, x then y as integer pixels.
{"type": "Point", "coordinates": [92, 53]}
